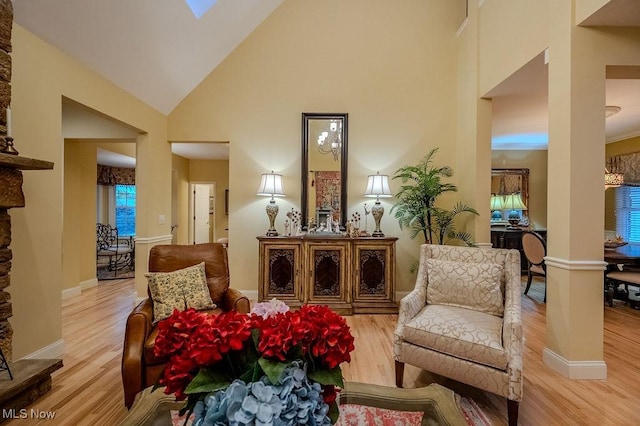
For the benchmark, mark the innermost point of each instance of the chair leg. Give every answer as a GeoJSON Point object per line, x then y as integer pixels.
{"type": "Point", "coordinates": [529, 279]}
{"type": "Point", "coordinates": [399, 373]}
{"type": "Point", "coordinates": [512, 410]}
{"type": "Point", "coordinates": [545, 289]}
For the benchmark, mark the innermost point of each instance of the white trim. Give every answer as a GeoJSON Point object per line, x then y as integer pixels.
{"type": "Point", "coordinates": [153, 240]}
{"type": "Point", "coordinates": [71, 292]}
{"type": "Point", "coordinates": [77, 290]}
{"type": "Point", "coordinates": [462, 26]}
{"type": "Point", "coordinates": [575, 265]}
{"type": "Point", "coordinates": [591, 370]}
{"type": "Point", "coordinates": [93, 282]}
{"type": "Point", "coordinates": [484, 245]}
{"type": "Point", "coordinates": [251, 294]}
{"type": "Point", "coordinates": [54, 350]}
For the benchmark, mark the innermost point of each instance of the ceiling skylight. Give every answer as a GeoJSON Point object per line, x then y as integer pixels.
{"type": "Point", "coordinates": [200, 7]}
{"type": "Point", "coordinates": [521, 141]}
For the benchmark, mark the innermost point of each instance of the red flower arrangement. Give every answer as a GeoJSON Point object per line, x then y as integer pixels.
{"type": "Point", "coordinates": [207, 352]}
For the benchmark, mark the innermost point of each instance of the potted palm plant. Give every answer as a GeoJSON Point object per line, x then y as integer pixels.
{"type": "Point", "coordinates": [415, 208]}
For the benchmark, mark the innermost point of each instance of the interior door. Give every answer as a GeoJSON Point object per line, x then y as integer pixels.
{"type": "Point", "coordinates": [201, 221]}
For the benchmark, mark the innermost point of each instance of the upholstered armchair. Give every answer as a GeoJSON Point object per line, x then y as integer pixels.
{"type": "Point", "coordinates": [463, 320]}
{"type": "Point", "coordinates": [140, 368]}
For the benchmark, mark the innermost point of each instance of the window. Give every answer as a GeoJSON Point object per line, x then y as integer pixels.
{"type": "Point", "coordinates": [125, 206]}
{"type": "Point", "coordinates": [628, 213]}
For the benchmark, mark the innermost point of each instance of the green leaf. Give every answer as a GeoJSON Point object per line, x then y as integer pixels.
{"type": "Point", "coordinates": [273, 369]}
{"type": "Point", "coordinates": [207, 380]}
{"type": "Point", "coordinates": [333, 413]}
{"type": "Point", "coordinates": [328, 377]}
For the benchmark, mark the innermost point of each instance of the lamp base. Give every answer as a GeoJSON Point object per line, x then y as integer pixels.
{"type": "Point", "coordinates": [272, 212]}
{"type": "Point", "coordinates": [513, 218]}
{"type": "Point", "coordinates": [377, 211]}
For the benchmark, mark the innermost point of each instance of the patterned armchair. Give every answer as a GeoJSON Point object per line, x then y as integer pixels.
{"type": "Point", "coordinates": [463, 320]}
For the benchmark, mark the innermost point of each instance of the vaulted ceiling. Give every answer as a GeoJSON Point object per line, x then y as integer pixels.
{"type": "Point", "coordinates": [159, 51]}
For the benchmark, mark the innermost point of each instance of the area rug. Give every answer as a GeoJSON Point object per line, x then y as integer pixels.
{"type": "Point", "coordinates": [359, 415]}
{"type": "Point", "coordinates": [103, 273]}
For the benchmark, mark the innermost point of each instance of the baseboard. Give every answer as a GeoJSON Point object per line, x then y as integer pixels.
{"type": "Point", "coordinates": [93, 282]}
{"type": "Point", "coordinates": [251, 294]}
{"type": "Point", "coordinates": [590, 370]}
{"type": "Point", "coordinates": [71, 292]}
{"type": "Point", "coordinates": [54, 350]}
{"type": "Point", "coordinates": [77, 290]}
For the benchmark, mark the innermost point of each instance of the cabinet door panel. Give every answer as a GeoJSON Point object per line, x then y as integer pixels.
{"type": "Point", "coordinates": [328, 280]}
{"type": "Point", "coordinates": [327, 273]}
{"type": "Point", "coordinates": [280, 272]}
{"type": "Point", "coordinates": [372, 278]}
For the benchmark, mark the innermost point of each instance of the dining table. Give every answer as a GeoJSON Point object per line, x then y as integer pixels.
{"type": "Point", "coordinates": [626, 256]}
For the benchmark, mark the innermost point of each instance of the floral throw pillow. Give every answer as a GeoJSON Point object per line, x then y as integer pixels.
{"type": "Point", "coordinates": [182, 289]}
{"type": "Point", "coordinates": [474, 286]}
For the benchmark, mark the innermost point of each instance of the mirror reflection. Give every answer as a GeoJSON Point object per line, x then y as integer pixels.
{"type": "Point", "coordinates": [324, 169]}
{"type": "Point", "coordinates": [506, 183]}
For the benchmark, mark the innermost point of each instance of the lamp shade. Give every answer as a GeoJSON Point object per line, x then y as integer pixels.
{"type": "Point", "coordinates": [514, 202]}
{"type": "Point", "coordinates": [378, 186]}
{"type": "Point", "coordinates": [271, 185]}
{"type": "Point", "coordinates": [497, 202]}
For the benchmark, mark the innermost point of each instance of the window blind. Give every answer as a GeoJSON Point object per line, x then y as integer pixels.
{"type": "Point", "coordinates": [125, 209]}
{"type": "Point", "coordinates": [628, 213]}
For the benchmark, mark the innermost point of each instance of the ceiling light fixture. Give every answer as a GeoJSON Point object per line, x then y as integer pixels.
{"type": "Point", "coordinates": [330, 142]}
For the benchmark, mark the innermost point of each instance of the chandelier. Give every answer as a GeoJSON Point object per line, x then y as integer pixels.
{"type": "Point", "coordinates": [330, 142]}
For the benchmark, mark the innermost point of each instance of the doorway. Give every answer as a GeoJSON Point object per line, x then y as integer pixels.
{"type": "Point", "coordinates": [202, 224]}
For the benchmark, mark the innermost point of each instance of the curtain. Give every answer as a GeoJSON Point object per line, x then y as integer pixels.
{"type": "Point", "coordinates": [108, 175]}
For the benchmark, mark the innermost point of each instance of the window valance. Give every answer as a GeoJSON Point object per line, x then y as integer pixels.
{"type": "Point", "coordinates": [108, 175]}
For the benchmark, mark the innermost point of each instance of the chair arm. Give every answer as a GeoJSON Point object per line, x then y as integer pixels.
{"type": "Point", "coordinates": [512, 334]}
{"type": "Point", "coordinates": [138, 327]}
{"type": "Point", "coordinates": [410, 306]}
{"type": "Point", "coordinates": [234, 300]}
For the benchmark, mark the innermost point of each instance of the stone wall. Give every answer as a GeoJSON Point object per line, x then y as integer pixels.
{"type": "Point", "coordinates": [10, 180]}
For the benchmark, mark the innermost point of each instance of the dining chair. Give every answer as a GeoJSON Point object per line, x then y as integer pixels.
{"type": "Point", "coordinates": [535, 249]}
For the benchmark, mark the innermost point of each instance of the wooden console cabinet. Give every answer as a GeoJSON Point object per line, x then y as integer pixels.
{"type": "Point", "coordinates": [350, 275]}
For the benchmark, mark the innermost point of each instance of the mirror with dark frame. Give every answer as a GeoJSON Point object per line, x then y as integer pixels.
{"type": "Point", "coordinates": [511, 181]}
{"type": "Point", "coordinates": [324, 168]}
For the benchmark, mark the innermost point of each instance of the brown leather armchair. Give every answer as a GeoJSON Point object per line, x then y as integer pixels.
{"type": "Point", "coordinates": [140, 369]}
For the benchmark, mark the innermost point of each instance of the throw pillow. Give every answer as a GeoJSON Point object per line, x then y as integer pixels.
{"type": "Point", "coordinates": [474, 286]}
{"type": "Point", "coordinates": [181, 289]}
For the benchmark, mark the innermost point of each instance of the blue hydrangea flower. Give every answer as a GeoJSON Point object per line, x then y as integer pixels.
{"type": "Point", "coordinates": [295, 400]}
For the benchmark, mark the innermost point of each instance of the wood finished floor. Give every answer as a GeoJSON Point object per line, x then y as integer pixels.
{"type": "Point", "coordinates": [88, 389]}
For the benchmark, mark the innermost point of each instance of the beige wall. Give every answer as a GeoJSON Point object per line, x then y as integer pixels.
{"type": "Point", "coordinates": [79, 219]}
{"type": "Point", "coordinates": [511, 33]}
{"type": "Point", "coordinates": [536, 162]}
{"type": "Point", "coordinates": [41, 77]}
{"type": "Point", "coordinates": [180, 198]}
{"type": "Point", "coordinates": [397, 86]}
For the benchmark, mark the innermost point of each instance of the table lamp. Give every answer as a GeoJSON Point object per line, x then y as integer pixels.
{"type": "Point", "coordinates": [271, 186]}
{"type": "Point", "coordinates": [377, 186]}
{"type": "Point", "coordinates": [497, 204]}
{"type": "Point", "coordinates": [514, 202]}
